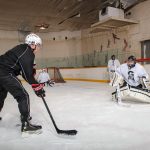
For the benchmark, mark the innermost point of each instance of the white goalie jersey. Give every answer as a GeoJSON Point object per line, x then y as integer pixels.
{"type": "Point", "coordinates": [132, 76]}
{"type": "Point", "coordinates": [43, 77]}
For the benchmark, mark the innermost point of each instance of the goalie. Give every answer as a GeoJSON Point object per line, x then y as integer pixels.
{"type": "Point", "coordinates": [131, 81]}
{"type": "Point", "coordinates": [44, 78]}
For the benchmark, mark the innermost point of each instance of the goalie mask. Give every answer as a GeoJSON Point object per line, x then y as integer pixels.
{"type": "Point", "coordinates": [131, 61]}
{"type": "Point", "coordinates": [33, 39]}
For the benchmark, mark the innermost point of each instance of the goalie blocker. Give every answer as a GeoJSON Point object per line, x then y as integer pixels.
{"type": "Point", "coordinates": [130, 92]}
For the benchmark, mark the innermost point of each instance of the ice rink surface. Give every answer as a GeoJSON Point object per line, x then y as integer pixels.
{"type": "Point", "coordinates": [84, 106]}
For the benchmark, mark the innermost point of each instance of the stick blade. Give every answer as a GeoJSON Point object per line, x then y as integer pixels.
{"type": "Point", "coordinates": [67, 132]}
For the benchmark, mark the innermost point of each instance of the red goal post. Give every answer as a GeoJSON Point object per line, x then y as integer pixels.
{"type": "Point", "coordinates": [143, 60]}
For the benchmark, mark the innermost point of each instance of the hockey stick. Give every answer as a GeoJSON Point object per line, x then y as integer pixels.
{"type": "Point", "coordinates": [66, 132]}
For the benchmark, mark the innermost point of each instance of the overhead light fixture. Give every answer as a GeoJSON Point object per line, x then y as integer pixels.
{"type": "Point", "coordinates": [42, 26]}
{"type": "Point", "coordinates": [78, 15]}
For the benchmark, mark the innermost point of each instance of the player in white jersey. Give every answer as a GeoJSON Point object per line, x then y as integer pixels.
{"type": "Point", "coordinates": [113, 64]}
{"type": "Point", "coordinates": [132, 72]}
{"type": "Point", "coordinates": [45, 78]}
{"type": "Point", "coordinates": [133, 80]}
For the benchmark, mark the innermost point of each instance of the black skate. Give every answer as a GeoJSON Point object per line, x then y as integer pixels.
{"type": "Point", "coordinates": [28, 128]}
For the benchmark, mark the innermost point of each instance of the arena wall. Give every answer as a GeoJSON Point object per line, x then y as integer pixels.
{"type": "Point", "coordinates": [93, 74]}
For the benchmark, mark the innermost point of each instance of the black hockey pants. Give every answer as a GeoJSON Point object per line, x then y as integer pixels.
{"type": "Point", "coordinates": [10, 83]}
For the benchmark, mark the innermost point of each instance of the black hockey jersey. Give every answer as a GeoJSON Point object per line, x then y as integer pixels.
{"type": "Point", "coordinates": [19, 59]}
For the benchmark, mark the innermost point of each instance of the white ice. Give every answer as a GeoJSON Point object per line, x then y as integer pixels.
{"type": "Point", "coordinates": [84, 106]}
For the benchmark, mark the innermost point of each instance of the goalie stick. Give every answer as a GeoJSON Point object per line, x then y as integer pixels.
{"type": "Point", "coordinates": [66, 132]}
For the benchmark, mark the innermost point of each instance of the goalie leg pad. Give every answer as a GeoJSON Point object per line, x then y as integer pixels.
{"type": "Point", "coordinates": [140, 94]}
{"type": "Point", "coordinates": [117, 80]}
{"type": "Point", "coordinates": [145, 83]}
{"type": "Point", "coordinates": [124, 92]}
{"type": "Point", "coordinates": [133, 93]}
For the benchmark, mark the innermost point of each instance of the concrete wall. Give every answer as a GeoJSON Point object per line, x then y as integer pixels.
{"type": "Point", "coordinates": [8, 39]}
{"type": "Point", "coordinates": [61, 47]}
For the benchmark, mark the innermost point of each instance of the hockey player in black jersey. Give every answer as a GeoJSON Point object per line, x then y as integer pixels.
{"type": "Point", "coordinates": [20, 60]}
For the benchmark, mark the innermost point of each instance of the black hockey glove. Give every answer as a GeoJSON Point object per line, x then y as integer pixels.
{"type": "Point", "coordinates": [38, 89]}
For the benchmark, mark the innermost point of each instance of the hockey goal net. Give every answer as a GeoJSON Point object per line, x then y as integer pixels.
{"type": "Point", "coordinates": [54, 74]}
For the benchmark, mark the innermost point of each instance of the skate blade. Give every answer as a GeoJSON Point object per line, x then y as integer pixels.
{"type": "Point", "coordinates": [27, 134]}
{"type": "Point", "coordinates": [123, 104]}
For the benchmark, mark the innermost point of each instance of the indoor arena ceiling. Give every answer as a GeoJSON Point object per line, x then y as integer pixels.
{"type": "Point", "coordinates": [54, 15]}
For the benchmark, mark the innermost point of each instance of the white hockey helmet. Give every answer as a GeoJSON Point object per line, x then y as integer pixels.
{"type": "Point", "coordinates": [33, 39]}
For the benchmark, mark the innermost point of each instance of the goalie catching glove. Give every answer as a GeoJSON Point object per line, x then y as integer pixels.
{"type": "Point", "coordinates": [145, 82]}
{"type": "Point", "coordinates": [38, 89]}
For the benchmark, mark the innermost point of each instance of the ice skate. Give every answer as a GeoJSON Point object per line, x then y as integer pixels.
{"type": "Point", "coordinates": [28, 128]}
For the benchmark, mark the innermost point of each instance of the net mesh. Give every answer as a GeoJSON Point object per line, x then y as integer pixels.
{"type": "Point", "coordinates": [55, 74]}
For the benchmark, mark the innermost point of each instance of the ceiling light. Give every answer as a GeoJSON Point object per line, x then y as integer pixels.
{"type": "Point", "coordinates": [78, 15]}
{"type": "Point", "coordinates": [42, 28]}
